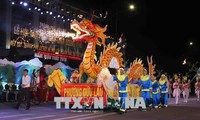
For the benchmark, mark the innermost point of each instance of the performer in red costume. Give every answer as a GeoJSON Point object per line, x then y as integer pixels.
{"type": "Point", "coordinates": [43, 85]}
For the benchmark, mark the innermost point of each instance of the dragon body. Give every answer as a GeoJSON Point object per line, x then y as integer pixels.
{"type": "Point", "coordinates": [94, 35]}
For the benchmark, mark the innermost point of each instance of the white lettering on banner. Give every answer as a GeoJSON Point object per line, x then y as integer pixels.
{"type": "Point", "coordinates": [55, 58]}
{"type": "Point", "coordinates": [47, 57]}
{"type": "Point", "coordinates": [63, 59]}
{"type": "Point", "coordinates": [38, 55]}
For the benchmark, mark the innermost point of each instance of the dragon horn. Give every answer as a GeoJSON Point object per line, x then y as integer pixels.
{"type": "Point", "coordinates": [105, 28]}
{"type": "Point", "coordinates": [140, 61]}
{"type": "Point", "coordinates": [118, 49]}
{"type": "Point", "coordinates": [148, 59]}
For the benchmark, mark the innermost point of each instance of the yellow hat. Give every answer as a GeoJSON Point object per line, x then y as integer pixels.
{"type": "Point", "coordinates": [163, 75]}
{"type": "Point", "coordinates": [121, 68]}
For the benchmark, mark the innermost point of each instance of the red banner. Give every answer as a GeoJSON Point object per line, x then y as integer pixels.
{"type": "Point", "coordinates": [58, 55]}
{"type": "Point", "coordinates": [86, 91]}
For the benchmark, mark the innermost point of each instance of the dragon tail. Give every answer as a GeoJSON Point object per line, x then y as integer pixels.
{"type": "Point", "coordinates": [111, 57]}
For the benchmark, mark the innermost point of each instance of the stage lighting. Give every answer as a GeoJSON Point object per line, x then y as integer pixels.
{"type": "Point", "coordinates": [41, 13]}
{"type": "Point", "coordinates": [47, 3]}
{"type": "Point", "coordinates": [47, 11]}
{"type": "Point", "coordinates": [39, 9]}
{"type": "Point", "coordinates": [35, 8]}
{"type": "Point", "coordinates": [21, 2]}
{"type": "Point", "coordinates": [50, 13]}
{"type": "Point", "coordinates": [58, 15]}
{"type": "Point", "coordinates": [12, 3]}
{"type": "Point", "coordinates": [29, 9]}
{"type": "Point", "coordinates": [68, 19]}
{"type": "Point", "coordinates": [25, 4]}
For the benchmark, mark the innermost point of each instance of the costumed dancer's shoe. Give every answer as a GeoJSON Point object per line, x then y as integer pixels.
{"type": "Point", "coordinates": [156, 107]}
{"type": "Point", "coordinates": [121, 111]}
{"type": "Point", "coordinates": [159, 106]}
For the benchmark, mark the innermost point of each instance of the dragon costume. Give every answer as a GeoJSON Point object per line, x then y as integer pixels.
{"type": "Point", "coordinates": [94, 35]}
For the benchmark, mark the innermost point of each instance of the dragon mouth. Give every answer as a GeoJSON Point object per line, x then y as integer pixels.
{"type": "Point", "coordinates": [80, 33]}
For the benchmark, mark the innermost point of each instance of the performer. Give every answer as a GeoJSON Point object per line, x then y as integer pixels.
{"type": "Point", "coordinates": [43, 85]}
{"type": "Point", "coordinates": [122, 80]}
{"type": "Point", "coordinates": [170, 88]}
{"type": "Point", "coordinates": [146, 88]}
{"type": "Point", "coordinates": [185, 87]}
{"type": "Point", "coordinates": [197, 88]}
{"type": "Point", "coordinates": [176, 87]}
{"type": "Point", "coordinates": [197, 84]}
{"type": "Point", "coordinates": [1, 90]}
{"type": "Point", "coordinates": [25, 90]}
{"type": "Point", "coordinates": [163, 83]}
{"type": "Point", "coordinates": [155, 92]}
{"type": "Point", "coordinates": [75, 77]}
{"type": "Point", "coordinates": [36, 83]}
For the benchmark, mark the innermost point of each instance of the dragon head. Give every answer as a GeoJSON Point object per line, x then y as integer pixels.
{"type": "Point", "coordinates": [86, 31]}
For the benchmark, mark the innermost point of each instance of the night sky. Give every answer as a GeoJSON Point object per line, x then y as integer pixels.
{"type": "Point", "coordinates": [161, 28]}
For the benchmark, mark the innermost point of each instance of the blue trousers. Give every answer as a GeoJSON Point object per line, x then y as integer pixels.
{"type": "Point", "coordinates": [123, 101]}
{"type": "Point", "coordinates": [147, 98]}
{"type": "Point", "coordinates": [164, 98]}
{"type": "Point", "coordinates": [156, 99]}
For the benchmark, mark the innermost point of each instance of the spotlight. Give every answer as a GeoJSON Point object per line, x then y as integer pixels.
{"type": "Point", "coordinates": [58, 15]}
{"type": "Point", "coordinates": [47, 3]}
{"type": "Point", "coordinates": [62, 9]}
{"type": "Point", "coordinates": [71, 20]}
{"type": "Point", "coordinates": [47, 11]}
{"type": "Point", "coordinates": [29, 9]}
{"type": "Point", "coordinates": [41, 13]}
{"type": "Point", "coordinates": [21, 2]}
{"type": "Point", "coordinates": [62, 17]}
{"type": "Point", "coordinates": [54, 17]}
{"type": "Point", "coordinates": [50, 13]}
{"type": "Point", "coordinates": [25, 4]}
{"type": "Point", "coordinates": [35, 8]}
{"type": "Point", "coordinates": [63, 20]}
{"type": "Point", "coordinates": [39, 9]}
{"type": "Point", "coordinates": [68, 19]}
{"type": "Point", "coordinates": [12, 3]}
